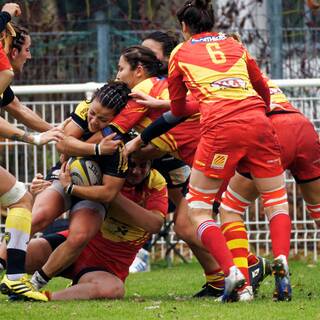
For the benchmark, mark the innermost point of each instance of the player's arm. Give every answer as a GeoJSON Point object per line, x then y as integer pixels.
{"type": "Point", "coordinates": [149, 220]}
{"type": "Point", "coordinates": [149, 101]}
{"type": "Point", "coordinates": [158, 127]}
{"type": "Point", "coordinates": [104, 193]}
{"type": "Point", "coordinates": [26, 116]}
{"type": "Point", "coordinates": [9, 131]}
{"type": "Point", "coordinates": [177, 88]}
{"type": "Point", "coordinates": [8, 11]}
{"type": "Point", "coordinates": [71, 145]}
{"type": "Point", "coordinates": [114, 169]}
{"type": "Point", "coordinates": [259, 83]}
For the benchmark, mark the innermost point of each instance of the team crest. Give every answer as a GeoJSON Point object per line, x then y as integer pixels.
{"type": "Point", "coordinates": [219, 161]}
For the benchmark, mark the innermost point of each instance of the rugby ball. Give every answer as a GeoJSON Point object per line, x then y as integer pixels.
{"type": "Point", "coordinates": [84, 171]}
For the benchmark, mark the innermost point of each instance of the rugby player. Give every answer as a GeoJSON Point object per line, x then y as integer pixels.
{"type": "Point", "coordinates": [13, 194]}
{"type": "Point", "coordinates": [86, 202]}
{"type": "Point", "coordinates": [221, 103]}
{"type": "Point", "coordinates": [102, 267]}
{"type": "Point", "coordinates": [8, 11]}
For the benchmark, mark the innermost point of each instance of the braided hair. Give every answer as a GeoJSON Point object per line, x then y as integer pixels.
{"type": "Point", "coordinates": [113, 95]}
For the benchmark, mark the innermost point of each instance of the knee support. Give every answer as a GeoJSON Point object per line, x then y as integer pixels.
{"type": "Point", "coordinates": [232, 201]}
{"type": "Point", "coordinates": [275, 202]}
{"type": "Point", "coordinates": [200, 198]}
{"type": "Point", "coordinates": [314, 211]}
{"type": "Point", "coordinates": [13, 195]}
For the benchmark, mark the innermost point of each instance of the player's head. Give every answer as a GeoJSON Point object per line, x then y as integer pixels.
{"type": "Point", "coordinates": [106, 103]}
{"type": "Point", "coordinates": [138, 170]}
{"type": "Point", "coordinates": [136, 64]}
{"type": "Point", "coordinates": [18, 47]}
{"type": "Point", "coordinates": [161, 43]}
{"type": "Point", "coordinates": [196, 16]}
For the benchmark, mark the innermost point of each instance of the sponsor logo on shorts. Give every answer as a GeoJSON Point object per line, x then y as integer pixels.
{"type": "Point", "coordinates": [219, 161]}
{"type": "Point", "coordinates": [229, 83]}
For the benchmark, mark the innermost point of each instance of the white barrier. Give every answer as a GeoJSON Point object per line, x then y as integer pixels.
{"type": "Point", "coordinates": [25, 160]}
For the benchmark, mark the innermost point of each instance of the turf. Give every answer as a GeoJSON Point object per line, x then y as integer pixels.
{"type": "Point", "coordinates": [165, 293]}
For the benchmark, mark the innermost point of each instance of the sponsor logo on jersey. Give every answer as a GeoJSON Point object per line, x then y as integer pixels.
{"type": "Point", "coordinates": [275, 91]}
{"type": "Point", "coordinates": [219, 161]}
{"type": "Point", "coordinates": [209, 39]}
{"type": "Point", "coordinates": [229, 83]}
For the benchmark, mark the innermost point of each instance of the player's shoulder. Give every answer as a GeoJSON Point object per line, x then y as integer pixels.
{"type": "Point", "coordinates": [176, 49]}
{"type": "Point", "coordinates": [144, 86]}
{"type": "Point", "coordinates": [82, 109]}
{"type": "Point", "coordinates": [156, 180]}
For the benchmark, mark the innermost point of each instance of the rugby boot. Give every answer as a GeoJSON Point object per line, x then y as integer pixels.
{"type": "Point", "coordinates": [21, 289]}
{"type": "Point", "coordinates": [258, 272]}
{"type": "Point", "coordinates": [232, 283]}
{"type": "Point", "coordinates": [283, 291]}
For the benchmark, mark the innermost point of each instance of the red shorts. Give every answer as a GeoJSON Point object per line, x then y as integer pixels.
{"type": "Point", "coordinates": [103, 255]}
{"type": "Point", "coordinates": [4, 61]}
{"type": "Point", "coordinates": [246, 141]}
{"type": "Point", "coordinates": [300, 147]}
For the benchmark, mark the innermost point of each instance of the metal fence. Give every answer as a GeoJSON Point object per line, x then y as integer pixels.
{"type": "Point", "coordinates": [24, 161]}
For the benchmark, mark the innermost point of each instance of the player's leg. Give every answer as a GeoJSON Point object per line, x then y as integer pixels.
{"type": "Point", "coordinates": [85, 222]}
{"type": "Point", "coordinates": [38, 252]}
{"type": "Point", "coordinates": [274, 198]}
{"type": "Point", "coordinates": [14, 195]}
{"type": "Point", "coordinates": [237, 197]}
{"type": "Point", "coordinates": [93, 285]}
{"type": "Point", "coordinates": [200, 197]}
{"type": "Point", "coordinates": [187, 231]}
{"type": "Point", "coordinates": [48, 205]}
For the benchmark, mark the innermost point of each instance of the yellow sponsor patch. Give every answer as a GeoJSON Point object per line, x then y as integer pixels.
{"type": "Point", "coordinates": [219, 161]}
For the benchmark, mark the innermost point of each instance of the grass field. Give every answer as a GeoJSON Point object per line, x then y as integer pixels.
{"type": "Point", "coordinates": [165, 293]}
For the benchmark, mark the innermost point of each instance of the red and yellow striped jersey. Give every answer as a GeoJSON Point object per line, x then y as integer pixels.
{"type": "Point", "coordinates": [279, 101]}
{"type": "Point", "coordinates": [152, 196]}
{"type": "Point", "coordinates": [181, 141]}
{"type": "Point", "coordinates": [218, 71]}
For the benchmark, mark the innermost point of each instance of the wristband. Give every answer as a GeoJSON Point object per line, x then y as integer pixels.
{"type": "Point", "coordinates": [37, 139]}
{"type": "Point", "coordinates": [97, 149]}
{"type": "Point", "coordinates": [69, 188]}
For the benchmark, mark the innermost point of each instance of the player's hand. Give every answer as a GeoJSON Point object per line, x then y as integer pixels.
{"type": "Point", "coordinates": [38, 184]}
{"type": "Point", "coordinates": [64, 175]}
{"type": "Point", "coordinates": [12, 8]}
{"type": "Point", "coordinates": [55, 134]}
{"type": "Point", "coordinates": [149, 101]}
{"type": "Point", "coordinates": [109, 146]}
{"type": "Point", "coordinates": [133, 145]}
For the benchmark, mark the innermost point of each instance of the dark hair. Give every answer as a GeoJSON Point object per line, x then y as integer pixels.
{"type": "Point", "coordinates": [113, 95]}
{"type": "Point", "coordinates": [20, 38]}
{"type": "Point", "coordinates": [197, 15]}
{"type": "Point", "coordinates": [140, 55]}
{"type": "Point", "coordinates": [167, 40]}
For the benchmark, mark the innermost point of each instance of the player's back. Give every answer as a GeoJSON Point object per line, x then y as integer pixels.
{"type": "Point", "coordinates": [214, 69]}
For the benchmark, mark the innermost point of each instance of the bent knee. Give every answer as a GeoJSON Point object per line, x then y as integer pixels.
{"type": "Point", "coordinates": [78, 239]}
{"type": "Point", "coordinates": [116, 291]}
